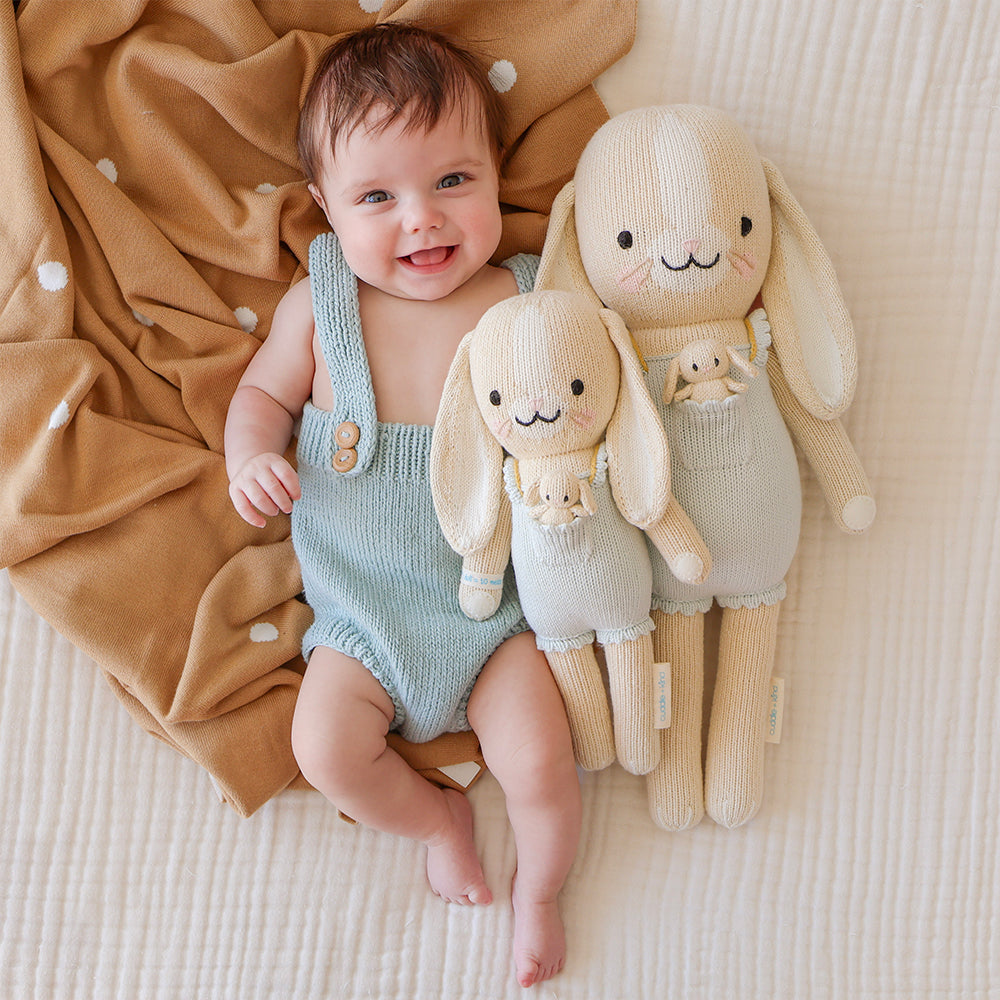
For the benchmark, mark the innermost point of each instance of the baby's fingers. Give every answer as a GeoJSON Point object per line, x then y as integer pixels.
{"type": "Point", "coordinates": [276, 488]}
{"type": "Point", "coordinates": [245, 508]}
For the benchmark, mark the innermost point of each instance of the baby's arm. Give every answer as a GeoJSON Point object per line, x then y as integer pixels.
{"type": "Point", "coordinates": [263, 411]}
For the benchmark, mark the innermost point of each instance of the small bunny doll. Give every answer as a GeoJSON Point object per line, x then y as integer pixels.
{"type": "Point", "coordinates": [705, 366]}
{"type": "Point", "coordinates": [674, 221]}
{"type": "Point", "coordinates": [547, 389]}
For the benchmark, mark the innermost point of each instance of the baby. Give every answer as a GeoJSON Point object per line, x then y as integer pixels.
{"type": "Point", "coordinates": [400, 138]}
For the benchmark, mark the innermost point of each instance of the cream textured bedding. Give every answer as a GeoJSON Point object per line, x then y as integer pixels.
{"type": "Point", "coordinates": [871, 870]}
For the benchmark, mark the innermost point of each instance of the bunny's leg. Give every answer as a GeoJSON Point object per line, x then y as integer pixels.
{"type": "Point", "coordinates": [630, 672]}
{"type": "Point", "coordinates": [578, 678]}
{"type": "Point", "coordinates": [675, 788]}
{"type": "Point", "coordinates": [734, 767]}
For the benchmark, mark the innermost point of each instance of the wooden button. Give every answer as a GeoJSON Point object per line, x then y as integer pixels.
{"type": "Point", "coordinates": [345, 460]}
{"type": "Point", "coordinates": [346, 435]}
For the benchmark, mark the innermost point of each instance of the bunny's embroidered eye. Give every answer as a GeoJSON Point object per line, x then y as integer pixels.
{"type": "Point", "coordinates": [625, 240]}
{"type": "Point", "coordinates": [745, 226]}
{"type": "Point", "coordinates": [694, 367]}
{"type": "Point", "coordinates": [495, 397]}
{"type": "Point", "coordinates": [576, 386]}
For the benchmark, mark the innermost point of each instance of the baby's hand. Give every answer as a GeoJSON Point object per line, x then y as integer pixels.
{"type": "Point", "coordinates": [266, 484]}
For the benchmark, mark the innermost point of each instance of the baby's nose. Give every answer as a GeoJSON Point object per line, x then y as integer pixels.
{"type": "Point", "coordinates": [423, 214]}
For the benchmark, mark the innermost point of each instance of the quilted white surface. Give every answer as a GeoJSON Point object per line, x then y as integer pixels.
{"type": "Point", "coordinates": [871, 871]}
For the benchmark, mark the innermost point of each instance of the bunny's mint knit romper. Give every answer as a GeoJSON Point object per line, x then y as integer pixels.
{"type": "Point", "coordinates": [378, 573]}
{"type": "Point", "coordinates": [734, 470]}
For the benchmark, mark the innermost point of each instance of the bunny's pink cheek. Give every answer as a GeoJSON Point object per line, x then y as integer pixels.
{"type": "Point", "coordinates": [583, 418]}
{"type": "Point", "coordinates": [634, 278]}
{"type": "Point", "coordinates": [501, 428]}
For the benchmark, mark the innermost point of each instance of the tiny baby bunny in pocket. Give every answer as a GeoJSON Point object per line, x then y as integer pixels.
{"type": "Point", "coordinates": [547, 397]}
{"type": "Point", "coordinates": [674, 221]}
{"type": "Point", "coordinates": [705, 366]}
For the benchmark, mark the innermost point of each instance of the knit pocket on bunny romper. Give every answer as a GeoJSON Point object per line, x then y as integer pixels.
{"type": "Point", "coordinates": [562, 544]}
{"type": "Point", "coordinates": [711, 435]}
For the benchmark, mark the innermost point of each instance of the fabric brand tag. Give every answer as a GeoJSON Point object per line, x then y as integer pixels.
{"type": "Point", "coordinates": [661, 695]}
{"type": "Point", "coordinates": [463, 774]}
{"type": "Point", "coordinates": [775, 710]}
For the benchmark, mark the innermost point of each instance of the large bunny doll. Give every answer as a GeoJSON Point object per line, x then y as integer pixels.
{"type": "Point", "coordinates": [674, 221]}
{"type": "Point", "coordinates": [549, 453]}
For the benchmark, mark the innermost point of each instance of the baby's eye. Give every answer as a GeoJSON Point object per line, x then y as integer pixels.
{"type": "Point", "coordinates": [625, 240]}
{"type": "Point", "coordinates": [451, 181]}
{"type": "Point", "coordinates": [495, 397]}
{"type": "Point", "coordinates": [375, 197]}
{"type": "Point", "coordinates": [576, 386]}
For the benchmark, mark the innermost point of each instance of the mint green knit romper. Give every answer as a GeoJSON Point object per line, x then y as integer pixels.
{"type": "Point", "coordinates": [379, 575]}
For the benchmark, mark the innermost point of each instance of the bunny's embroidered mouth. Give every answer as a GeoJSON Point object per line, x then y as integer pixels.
{"type": "Point", "coordinates": [691, 260]}
{"type": "Point", "coordinates": [538, 416]}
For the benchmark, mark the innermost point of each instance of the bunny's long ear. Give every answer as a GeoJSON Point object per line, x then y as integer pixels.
{"type": "Point", "coordinates": [638, 453]}
{"type": "Point", "coordinates": [562, 268]}
{"type": "Point", "coordinates": [812, 329]}
{"type": "Point", "coordinates": [466, 462]}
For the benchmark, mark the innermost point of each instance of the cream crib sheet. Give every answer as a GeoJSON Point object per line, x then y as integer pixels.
{"type": "Point", "coordinates": [871, 871]}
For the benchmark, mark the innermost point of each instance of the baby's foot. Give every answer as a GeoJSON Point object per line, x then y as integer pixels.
{"type": "Point", "coordinates": [539, 938]}
{"type": "Point", "coordinates": [453, 867]}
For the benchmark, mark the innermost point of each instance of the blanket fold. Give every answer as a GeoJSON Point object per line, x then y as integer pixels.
{"type": "Point", "coordinates": [154, 215]}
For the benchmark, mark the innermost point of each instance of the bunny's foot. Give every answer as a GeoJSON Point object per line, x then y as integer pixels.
{"type": "Point", "coordinates": [734, 765]}
{"type": "Point", "coordinates": [676, 787]}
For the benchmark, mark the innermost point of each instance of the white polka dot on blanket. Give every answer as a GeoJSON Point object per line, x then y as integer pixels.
{"type": "Point", "coordinates": [59, 416]}
{"type": "Point", "coordinates": [140, 318]}
{"type": "Point", "coordinates": [247, 318]}
{"type": "Point", "coordinates": [108, 168]}
{"type": "Point", "coordinates": [502, 76]}
{"type": "Point", "coordinates": [52, 275]}
{"type": "Point", "coordinates": [266, 188]}
{"type": "Point", "coordinates": [263, 632]}
{"type": "Point", "coordinates": [370, 6]}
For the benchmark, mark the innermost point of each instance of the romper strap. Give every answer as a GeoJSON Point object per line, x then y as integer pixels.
{"type": "Point", "coordinates": [338, 327]}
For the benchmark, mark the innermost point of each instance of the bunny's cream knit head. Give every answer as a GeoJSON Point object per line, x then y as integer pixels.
{"type": "Point", "coordinates": [544, 376]}
{"type": "Point", "coordinates": [693, 250]}
{"type": "Point", "coordinates": [674, 220]}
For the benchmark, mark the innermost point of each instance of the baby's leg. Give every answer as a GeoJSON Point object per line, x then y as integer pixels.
{"type": "Point", "coordinates": [339, 732]}
{"type": "Point", "coordinates": [518, 714]}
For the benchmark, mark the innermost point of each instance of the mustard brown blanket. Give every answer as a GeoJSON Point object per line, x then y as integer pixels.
{"type": "Point", "coordinates": [152, 216]}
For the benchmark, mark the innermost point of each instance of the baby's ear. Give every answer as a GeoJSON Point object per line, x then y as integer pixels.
{"type": "Point", "coordinates": [812, 329]}
{"type": "Point", "coordinates": [466, 462]}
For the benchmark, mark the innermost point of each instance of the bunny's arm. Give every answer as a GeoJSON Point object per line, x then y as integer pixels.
{"type": "Point", "coordinates": [677, 540]}
{"type": "Point", "coordinates": [832, 457]}
{"type": "Point", "coordinates": [481, 589]}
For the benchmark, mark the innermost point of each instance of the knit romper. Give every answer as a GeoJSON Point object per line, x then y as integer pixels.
{"type": "Point", "coordinates": [589, 576]}
{"type": "Point", "coordinates": [378, 573]}
{"type": "Point", "coordinates": [734, 471]}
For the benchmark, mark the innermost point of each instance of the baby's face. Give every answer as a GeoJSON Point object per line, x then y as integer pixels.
{"type": "Point", "coordinates": [417, 212]}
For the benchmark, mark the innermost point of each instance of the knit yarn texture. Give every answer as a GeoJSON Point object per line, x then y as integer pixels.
{"type": "Point", "coordinates": [378, 574]}
{"type": "Point", "coordinates": [589, 577]}
{"type": "Point", "coordinates": [734, 471]}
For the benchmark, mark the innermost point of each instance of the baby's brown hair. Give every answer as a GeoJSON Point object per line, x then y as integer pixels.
{"type": "Point", "coordinates": [412, 72]}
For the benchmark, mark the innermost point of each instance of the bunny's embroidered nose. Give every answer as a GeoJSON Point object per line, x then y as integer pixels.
{"type": "Point", "coordinates": [691, 246]}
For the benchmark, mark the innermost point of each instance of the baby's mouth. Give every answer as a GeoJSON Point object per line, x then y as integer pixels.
{"type": "Point", "coordinates": [429, 258]}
